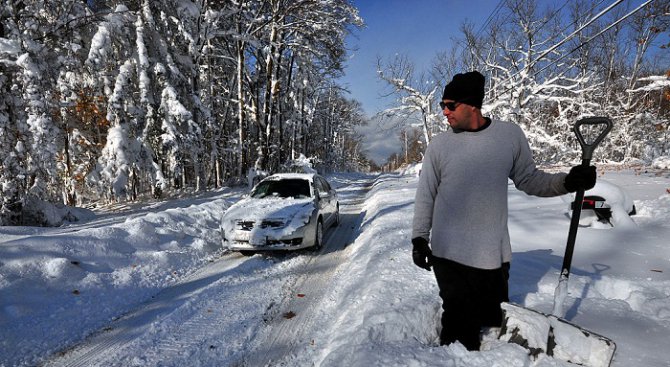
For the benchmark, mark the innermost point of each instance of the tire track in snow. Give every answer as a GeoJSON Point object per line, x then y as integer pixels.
{"type": "Point", "coordinates": [103, 347]}
{"type": "Point", "coordinates": [289, 326]}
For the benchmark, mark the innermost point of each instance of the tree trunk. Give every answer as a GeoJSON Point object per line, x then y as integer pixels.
{"type": "Point", "coordinates": [242, 163]}
{"type": "Point", "coordinates": [268, 107]}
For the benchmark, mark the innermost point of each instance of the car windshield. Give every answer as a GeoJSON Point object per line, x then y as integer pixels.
{"type": "Point", "coordinates": [285, 188]}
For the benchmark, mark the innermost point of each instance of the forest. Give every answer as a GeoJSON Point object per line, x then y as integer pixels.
{"type": "Point", "coordinates": [119, 100]}
{"type": "Point", "coordinates": [122, 100]}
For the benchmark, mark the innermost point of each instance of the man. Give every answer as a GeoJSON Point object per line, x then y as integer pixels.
{"type": "Point", "coordinates": [461, 208]}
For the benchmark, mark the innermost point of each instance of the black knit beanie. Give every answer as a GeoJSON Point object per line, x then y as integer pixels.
{"type": "Point", "coordinates": [467, 88]}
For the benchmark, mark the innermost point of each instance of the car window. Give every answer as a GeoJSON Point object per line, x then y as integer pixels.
{"type": "Point", "coordinates": [325, 184]}
{"type": "Point", "coordinates": [285, 188]}
{"type": "Point", "coordinates": [321, 185]}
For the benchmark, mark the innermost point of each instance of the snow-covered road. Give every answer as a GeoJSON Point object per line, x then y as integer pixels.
{"type": "Point", "coordinates": [152, 287]}
{"type": "Point", "coordinates": [199, 312]}
{"type": "Point", "coordinates": [290, 324]}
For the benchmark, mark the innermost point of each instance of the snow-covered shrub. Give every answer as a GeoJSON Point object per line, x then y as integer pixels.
{"type": "Point", "coordinates": [37, 212]}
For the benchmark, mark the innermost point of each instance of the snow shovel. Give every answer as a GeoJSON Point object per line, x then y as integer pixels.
{"type": "Point", "coordinates": [551, 334]}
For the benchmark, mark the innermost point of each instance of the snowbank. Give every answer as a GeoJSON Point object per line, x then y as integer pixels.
{"type": "Point", "coordinates": [60, 284]}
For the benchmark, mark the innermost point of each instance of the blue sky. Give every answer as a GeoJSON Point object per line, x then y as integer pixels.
{"type": "Point", "coordinates": [417, 28]}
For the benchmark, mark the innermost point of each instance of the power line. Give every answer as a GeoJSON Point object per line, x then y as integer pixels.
{"type": "Point", "coordinates": [491, 16]}
{"type": "Point", "coordinates": [594, 36]}
{"type": "Point", "coordinates": [590, 10]}
{"type": "Point", "coordinates": [566, 39]}
{"type": "Point", "coordinates": [566, 28]}
{"type": "Point", "coordinates": [554, 47]}
{"type": "Point", "coordinates": [498, 7]}
{"type": "Point", "coordinates": [582, 44]}
{"type": "Point", "coordinates": [504, 2]}
{"type": "Point", "coordinates": [551, 16]}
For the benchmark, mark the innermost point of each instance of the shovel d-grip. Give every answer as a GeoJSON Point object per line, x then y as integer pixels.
{"type": "Point", "coordinates": [588, 148]}
{"type": "Point", "coordinates": [587, 154]}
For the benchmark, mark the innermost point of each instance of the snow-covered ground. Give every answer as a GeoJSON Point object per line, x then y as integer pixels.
{"type": "Point", "coordinates": [154, 287]}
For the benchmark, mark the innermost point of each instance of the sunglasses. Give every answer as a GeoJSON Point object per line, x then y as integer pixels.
{"type": "Point", "coordinates": [450, 105]}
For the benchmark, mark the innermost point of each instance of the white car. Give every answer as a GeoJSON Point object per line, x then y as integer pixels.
{"type": "Point", "coordinates": [286, 211]}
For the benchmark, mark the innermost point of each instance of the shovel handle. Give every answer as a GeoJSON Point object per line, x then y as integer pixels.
{"type": "Point", "coordinates": [588, 148]}
{"type": "Point", "coordinates": [587, 153]}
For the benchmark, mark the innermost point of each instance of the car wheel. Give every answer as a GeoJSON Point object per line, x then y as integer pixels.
{"type": "Point", "coordinates": [318, 237]}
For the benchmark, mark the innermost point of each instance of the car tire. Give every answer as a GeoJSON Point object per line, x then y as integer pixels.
{"type": "Point", "coordinates": [318, 236]}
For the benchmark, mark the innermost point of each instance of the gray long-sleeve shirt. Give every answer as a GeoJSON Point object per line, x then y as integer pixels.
{"type": "Point", "coordinates": [461, 200]}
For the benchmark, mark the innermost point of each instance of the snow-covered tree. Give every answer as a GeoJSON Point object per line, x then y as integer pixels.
{"type": "Point", "coordinates": [116, 99]}
{"type": "Point", "coordinates": [416, 97]}
{"type": "Point", "coordinates": [547, 71]}
{"type": "Point", "coordinates": [37, 40]}
{"type": "Point", "coordinates": [13, 132]}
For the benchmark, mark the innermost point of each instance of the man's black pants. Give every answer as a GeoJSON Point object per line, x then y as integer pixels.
{"type": "Point", "coordinates": [471, 300]}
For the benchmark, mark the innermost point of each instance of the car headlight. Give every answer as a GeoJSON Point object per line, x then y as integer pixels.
{"type": "Point", "coordinates": [274, 223]}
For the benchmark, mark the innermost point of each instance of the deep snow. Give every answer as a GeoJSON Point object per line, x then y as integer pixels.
{"type": "Point", "coordinates": [210, 308]}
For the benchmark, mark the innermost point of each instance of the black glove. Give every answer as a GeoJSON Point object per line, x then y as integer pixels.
{"type": "Point", "coordinates": [421, 253]}
{"type": "Point", "coordinates": [580, 177]}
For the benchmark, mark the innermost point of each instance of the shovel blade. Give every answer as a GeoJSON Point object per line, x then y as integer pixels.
{"type": "Point", "coordinates": [547, 334]}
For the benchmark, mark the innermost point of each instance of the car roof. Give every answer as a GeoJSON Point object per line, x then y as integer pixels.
{"type": "Point", "coordinates": [283, 176]}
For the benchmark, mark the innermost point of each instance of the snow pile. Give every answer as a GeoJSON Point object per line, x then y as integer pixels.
{"type": "Point", "coordinates": [58, 286]}
{"type": "Point", "coordinates": [568, 342]}
{"type": "Point", "coordinates": [375, 308]}
{"type": "Point", "coordinates": [581, 348]}
{"type": "Point", "coordinates": [412, 169]}
{"type": "Point", "coordinates": [619, 201]}
{"type": "Point", "coordinates": [38, 212]}
{"type": "Point", "coordinates": [661, 163]}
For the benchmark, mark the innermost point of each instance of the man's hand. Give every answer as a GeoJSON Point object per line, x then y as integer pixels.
{"type": "Point", "coordinates": [580, 177]}
{"type": "Point", "coordinates": [421, 253]}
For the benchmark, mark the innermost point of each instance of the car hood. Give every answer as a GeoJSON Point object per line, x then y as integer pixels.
{"type": "Point", "coordinates": [295, 213]}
